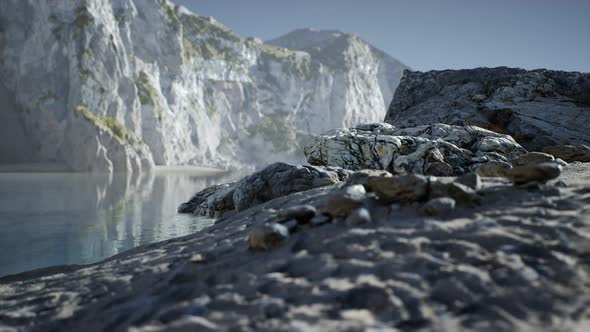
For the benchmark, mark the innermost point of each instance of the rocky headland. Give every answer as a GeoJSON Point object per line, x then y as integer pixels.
{"type": "Point", "coordinates": [438, 225]}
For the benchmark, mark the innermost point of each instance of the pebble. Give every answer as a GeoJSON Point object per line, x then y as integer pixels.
{"type": "Point", "coordinates": [358, 217]}
{"type": "Point", "coordinates": [463, 195]}
{"type": "Point", "coordinates": [342, 202]}
{"type": "Point", "coordinates": [539, 173]}
{"type": "Point", "coordinates": [401, 188]}
{"type": "Point", "coordinates": [268, 236]}
{"type": "Point", "coordinates": [438, 206]}
{"type": "Point", "coordinates": [532, 158]}
{"type": "Point", "coordinates": [569, 153]}
{"type": "Point", "coordinates": [301, 213]}
{"type": "Point", "coordinates": [470, 180]}
{"type": "Point", "coordinates": [362, 176]}
{"type": "Point", "coordinates": [320, 219]}
{"type": "Point", "coordinates": [493, 169]}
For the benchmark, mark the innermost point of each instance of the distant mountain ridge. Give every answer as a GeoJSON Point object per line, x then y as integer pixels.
{"type": "Point", "coordinates": [121, 85]}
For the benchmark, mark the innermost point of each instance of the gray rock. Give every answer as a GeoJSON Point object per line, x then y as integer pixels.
{"type": "Point", "coordinates": [358, 217]}
{"type": "Point", "coordinates": [301, 213]}
{"type": "Point", "coordinates": [439, 168]}
{"type": "Point", "coordinates": [438, 206]}
{"type": "Point", "coordinates": [532, 158]}
{"type": "Point", "coordinates": [471, 180]}
{"type": "Point", "coordinates": [276, 180]}
{"type": "Point", "coordinates": [342, 202]}
{"type": "Point", "coordinates": [570, 153]}
{"type": "Point", "coordinates": [280, 179]}
{"type": "Point", "coordinates": [362, 176]}
{"type": "Point", "coordinates": [438, 149]}
{"type": "Point", "coordinates": [211, 202]}
{"type": "Point", "coordinates": [400, 188]}
{"type": "Point", "coordinates": [538, 108]}
{"type": "Point", "coordinates": [538, 173]}
{"type": "Point", "coordinates": [463, 195]}
{"type": "Point", "coordinates": [267, 237]}
{"type": "Point", "coordinates": [493, 169]}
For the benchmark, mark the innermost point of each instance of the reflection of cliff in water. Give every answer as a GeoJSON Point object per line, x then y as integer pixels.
{"type": "Point", "coordinates": [71, 218]}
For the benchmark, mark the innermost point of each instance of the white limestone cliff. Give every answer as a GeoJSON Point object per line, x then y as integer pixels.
{"type": "Point", "coordinates": [121, 85]}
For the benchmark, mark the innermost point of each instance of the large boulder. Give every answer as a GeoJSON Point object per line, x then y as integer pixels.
{"type": "Point", "coordinates": [421, 149]}
{"type": "Point", "coordinates": [538, 108]}
{"type": "Point", "coordinates": [274, 181]}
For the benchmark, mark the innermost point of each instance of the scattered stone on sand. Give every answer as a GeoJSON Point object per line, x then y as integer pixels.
{"type": "Point", "coordinates": [342, 202]}
{"type": "Point", "coordinates": [539, 173]}
{"type": "Point", "coordinates": [301, 213]}
{"type": "Point", "coordinates": [399, 188]}
{"type": "Point", "coordinates": [267, 236]}
{"type": "Point", "coordinates": [532, 158]}
{"type": "Point", "coordinates": [569, 153]}
{"type": "Point", "coordinates": [470, 180]}
{"type": "Point", "coordinates": [463, 195]}
{"type": "Point", "coordinates": [358, 217]}
{"type": "Point", "coordinates": [438, 206]}
{"type": "Point", "coordinates": [493, 169]}
{"type": "Point", "coordinates": [362, 176]}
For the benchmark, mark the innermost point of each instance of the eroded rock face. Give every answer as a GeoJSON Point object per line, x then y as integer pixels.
{"type": "Point", "coordinates": [538, 108]}
{"type": "Point", "coordinates": [276, 180]}
{"type": "Point", "coordinates": [115, 85]}
{"type": "Point", "coordinates": [419, 149]}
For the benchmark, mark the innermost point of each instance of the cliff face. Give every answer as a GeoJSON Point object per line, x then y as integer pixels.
{"type": "Point", "coordinates": [538, 108]}
{"type": "Point", "coordinates": [122, 85]}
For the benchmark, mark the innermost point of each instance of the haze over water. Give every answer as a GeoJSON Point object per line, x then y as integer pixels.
{"type": "Point", "coordinates": [52, 219]}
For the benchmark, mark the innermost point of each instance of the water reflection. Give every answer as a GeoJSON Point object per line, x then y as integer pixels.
{"type": "Point", "coordinates": [71, 218]}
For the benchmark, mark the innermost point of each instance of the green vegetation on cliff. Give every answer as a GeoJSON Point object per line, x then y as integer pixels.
{"type": "Point", "coordinates": [147, 93]}
{"type": "Point", "coordinates": [276, 128]}
{"type": "Point", "coordinates": [113, 125]}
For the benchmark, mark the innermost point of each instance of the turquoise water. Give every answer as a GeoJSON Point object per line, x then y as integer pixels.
{"type": "Point", "coordinates": [49, 219]}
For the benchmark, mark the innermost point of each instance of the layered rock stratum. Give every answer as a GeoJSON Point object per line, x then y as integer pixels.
{"type": "Point", "coordinates": [538, 108]}
{"type": "Point", "coordinates": [122, 85]}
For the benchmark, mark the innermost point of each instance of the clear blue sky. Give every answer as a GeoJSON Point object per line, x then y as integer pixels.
{"type": "Point", "coordinates": [430, 34]}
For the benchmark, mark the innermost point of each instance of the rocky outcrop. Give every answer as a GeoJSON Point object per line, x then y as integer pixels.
{"type": "Point", "coordinates": [120, 85]}
{"type": "Point", "coordinates": [276, 180]}
{"type": "Point", "coordinates": [437, 149]}
{"type": "Point", "coordinates": [538, 108]}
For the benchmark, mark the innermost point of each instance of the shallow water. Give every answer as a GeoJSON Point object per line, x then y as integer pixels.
{"type": "Point", "coordinates": [51, 219]}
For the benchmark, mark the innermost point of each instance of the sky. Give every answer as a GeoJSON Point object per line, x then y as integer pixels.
{"type": "Point", "coordinates": [430, 34]}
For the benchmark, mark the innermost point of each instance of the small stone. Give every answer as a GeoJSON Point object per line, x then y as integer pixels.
{"type": "Point", "coordinates": [470, 180]}
{"type": "Point", "coordinates": [539, 173]}
{"type": "Point", "coordinates": [362, 176]}
{"type": "Point", "coordinates": [320, 219]}
{"type": "Point", "coordinates": [463, 195]}
{"type": "Point", "coordinates": [342, 202]}
{"type": "Point", "coordinates": [359, 216]}
{"type": "Point", "coordinates": [569, 153]}
{"type": "Point", "coordinates": [560, 162]}
{"type": "Point", "coordinates": [439, 168]}
{"type": "Point", "coordinates": [493, 169]}
{"type": "Point", "coordinates": [532, 158]}
{"type": "Point", "coordinates": [268, 236]}
{"type": "Point", "coordinates": [401, 188]}
{"type": "Point", "coordinates": [291, 224]}
{"type": "Point", "coordinates": [438, 206]}
{"type": "Point", "coordinates": [301, 213]}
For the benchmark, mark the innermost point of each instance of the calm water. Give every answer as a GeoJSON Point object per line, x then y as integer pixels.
{"type": "Point", "coordinates": [71, 218]}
